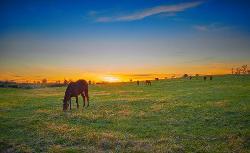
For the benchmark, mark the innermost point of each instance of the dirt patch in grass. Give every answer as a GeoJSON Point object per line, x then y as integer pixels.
{"type": "Point", "coordinates": [131, 91]}
{"type": "Point", "coordinates": [45, 111]}
{"type": "Point", "coordinates": [221, 104]}
{"type": "Point", "coordinates": [100, 93]}
{"type": "Point", "coordinates": [97, 136]}
{"type": "Point", "coordinates": [235, 142]}
{"type": "Point", "coordinates": [141, 114]}
{"type": "Point", "coordinates": [7, 147]}
{"type": "Point", "coordinates": [130, 99]}
{"type": "Point", "coordinates": [124, 146]}
{"type": "Point", "coordinates": [157, 107]}
{"type": "Point", "coordinates": [61, 128]}
{"type": "Point", "coordinates": [59, 149]}
{"type": "Point", "coordinates": [124, 112]}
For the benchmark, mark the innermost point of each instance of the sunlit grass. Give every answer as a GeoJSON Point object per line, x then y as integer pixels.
{"type": "Point", "coordinates": [169, 116]}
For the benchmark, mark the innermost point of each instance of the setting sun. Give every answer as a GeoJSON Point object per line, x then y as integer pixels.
{"type": "Point", "coordinates": [111, 79]}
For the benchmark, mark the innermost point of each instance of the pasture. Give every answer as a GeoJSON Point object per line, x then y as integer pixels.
{"type": "Point", "coordinates": [178, 115]}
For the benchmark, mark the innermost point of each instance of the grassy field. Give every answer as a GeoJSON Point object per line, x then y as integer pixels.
{"type": "Point", "coordinates": [170, 116]}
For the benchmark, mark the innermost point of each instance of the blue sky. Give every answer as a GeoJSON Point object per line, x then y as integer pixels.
{"type": "Point", "coordinates": [129, 36]}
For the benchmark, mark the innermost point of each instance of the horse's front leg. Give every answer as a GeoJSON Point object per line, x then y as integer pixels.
{"type": "Point", "coordinates": [77, 102]}
{"type": "Point", "coordinates": [70, 103]}
{"type": "Point", "coordinates": [83, 98]}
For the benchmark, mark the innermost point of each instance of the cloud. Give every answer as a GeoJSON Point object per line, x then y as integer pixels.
{"type": "Point", "coordinates": [104, 19]}
{"type": "Point", "coordinates": [201, 27]}
{"type": "Point", "coordinates": [211, 27]}
{"type": "Point", "coordinates": [18, 76]}
{"type": "Point", "coordinates": [200, 60]}
{"type": "Point", "coordinates": [168, 9]}
{"type": "Point", "coordinates": [139, 75]}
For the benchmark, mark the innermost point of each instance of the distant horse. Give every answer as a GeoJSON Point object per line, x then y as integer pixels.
{"type": "Point", "coordinates": [205, 78]}
{"type": "Point", "coordinates": [138, 83]}
{"type": "Point", "coordinates": [148, 82]}
{"type": "Point", "coordinates": [73, 90]}
{"type": "Point", "coordinates": [211, 77]}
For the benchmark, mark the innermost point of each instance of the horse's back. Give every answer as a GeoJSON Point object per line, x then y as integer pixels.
{"type": "Point", "coordinates": [82, 83]}
{"type": "Point", "coordinates": [78, 87]}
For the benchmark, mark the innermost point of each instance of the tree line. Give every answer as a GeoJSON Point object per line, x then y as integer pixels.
{"type": "Point", "coordinates": [241, 70]}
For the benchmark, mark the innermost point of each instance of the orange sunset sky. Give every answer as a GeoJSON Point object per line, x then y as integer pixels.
{"type": "Point", "coordinates": [121, 40]}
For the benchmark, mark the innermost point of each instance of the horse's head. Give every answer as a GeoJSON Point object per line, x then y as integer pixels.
{"type": "Point", "coordinates": [65, 105]}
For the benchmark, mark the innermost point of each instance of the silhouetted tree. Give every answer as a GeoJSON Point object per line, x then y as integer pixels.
{"type": "Point", "coordinates": [185, 75]}
{"type": "Point", "coordinates": [244, 69]}
{"type": "Point", "coordinates": [157, 79]}
{"type": "Point", "coordinates": [44, 81]}
{"type": "Point", "coordinates": [197, 76]}
{"type": "Point", "coordinates": [238, 70]}
{"type": "Point", "coordinates": [65, 82]}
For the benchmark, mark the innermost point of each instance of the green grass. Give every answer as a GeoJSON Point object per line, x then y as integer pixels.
{"type": "Point", "coordinates": [169, 116]}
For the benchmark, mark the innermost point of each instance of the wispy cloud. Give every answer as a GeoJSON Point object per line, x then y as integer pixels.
{"type": "Point", "coordinates": [139, 75]}
{"type": "Point", "coordinates": [92, 13]}
{"type": "Point", "coordinates": [211, 27]}
{"type": "Point", "coordinates": [168, 9]}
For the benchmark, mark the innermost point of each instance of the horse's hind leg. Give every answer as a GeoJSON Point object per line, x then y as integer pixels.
{"type": "Point", "coordinates": [70, 103]}
{"type": "Point", "coordinates": [83, 98]}
{"type": "Point", "coordinates": [77, 102]}
{"type": "Point", "coordinates": [87, 99]}
{"type": "Point", "coordinates": [86, 93]}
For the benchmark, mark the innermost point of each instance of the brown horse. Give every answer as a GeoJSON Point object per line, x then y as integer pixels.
{"type": "Point", "coordinates": [73, 90]}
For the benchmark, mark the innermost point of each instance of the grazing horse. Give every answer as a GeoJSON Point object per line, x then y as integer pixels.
{"type": "Point", "coordinates": [138, 83]}
{"type": "Point", "coordinates": [148, 82]}
{"type": "Point", "coordinates": [211, 77]}
{"type": "Point", "coordinates": [73, 90]}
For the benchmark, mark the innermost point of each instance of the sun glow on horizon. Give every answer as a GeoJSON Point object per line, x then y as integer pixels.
{"type": "Point", "coordinates": [111, 79]}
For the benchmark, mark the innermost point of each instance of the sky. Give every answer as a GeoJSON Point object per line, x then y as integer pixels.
{"type": "Point", "coordinates": [125, 39]}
